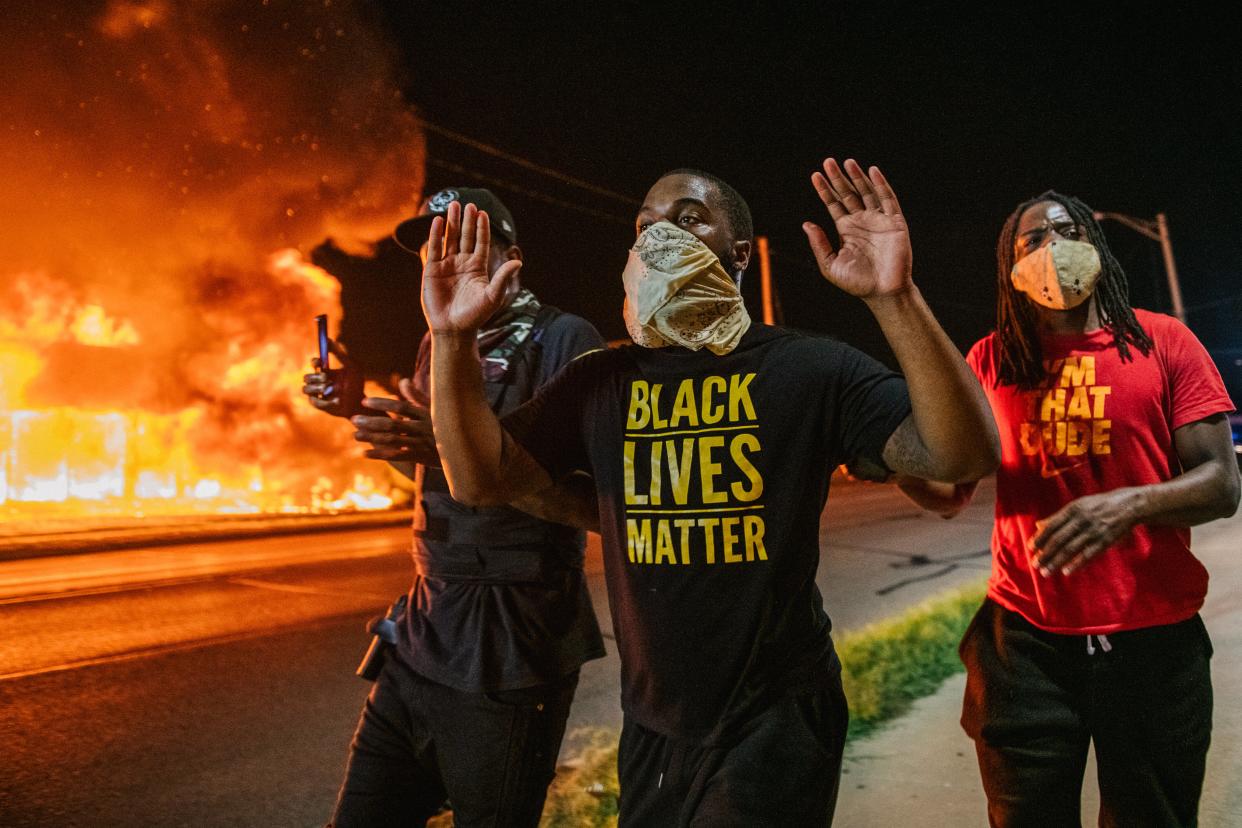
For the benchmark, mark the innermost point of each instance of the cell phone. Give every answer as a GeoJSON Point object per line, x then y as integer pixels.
{"type": "Point", "coordinates": [321, 324]}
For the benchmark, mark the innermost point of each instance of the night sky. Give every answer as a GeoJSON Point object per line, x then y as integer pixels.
{"type": "Point", "coordinates": [967, 109]}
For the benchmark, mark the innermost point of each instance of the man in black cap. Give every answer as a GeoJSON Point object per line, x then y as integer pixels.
{"type": "Point", "coordinates": [472, 701]}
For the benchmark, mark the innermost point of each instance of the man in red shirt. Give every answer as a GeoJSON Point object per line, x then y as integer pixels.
{"type": "Point", "coordinates": [1114, 443]}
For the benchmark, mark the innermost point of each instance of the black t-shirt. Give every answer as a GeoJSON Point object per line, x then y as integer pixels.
{"type": "Point", "coordinates": [514, 628]}
{"type": "Point", "coordinates": [712, 473]}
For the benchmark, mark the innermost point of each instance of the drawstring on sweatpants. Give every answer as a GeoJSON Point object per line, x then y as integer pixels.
{"type": "Point", "coordinates": [1104, 645]}
{"type": "Point", "coordinates": [669, 750]}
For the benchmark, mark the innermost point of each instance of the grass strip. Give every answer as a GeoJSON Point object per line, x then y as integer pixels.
{"type": "Point", "coordinates": [886, 667]}
{"type": "Point", "coordinates": [586, 796]}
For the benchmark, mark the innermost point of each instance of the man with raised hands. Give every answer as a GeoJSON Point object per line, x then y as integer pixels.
{"type": "Point", "coordinates": [711, 441]}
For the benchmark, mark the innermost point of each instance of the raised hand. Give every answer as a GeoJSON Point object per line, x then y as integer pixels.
{"type": "Point", "coordinates": [459, 294]}
{"type": "Point", "coordinates": [336, 391]}
{"type": "Point", "coordinates": [874, 259]}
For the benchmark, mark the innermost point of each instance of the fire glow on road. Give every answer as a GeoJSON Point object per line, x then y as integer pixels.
{"type": "Point", "coordinates": [139, 603]}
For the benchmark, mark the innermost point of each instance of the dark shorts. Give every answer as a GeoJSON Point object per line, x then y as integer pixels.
{"type": "Point", "coordinates": [1035, 700]}
{"type": "Point", "coordinates": [419, 743]}
{"type": "Point", "coordinates": [783, 769]}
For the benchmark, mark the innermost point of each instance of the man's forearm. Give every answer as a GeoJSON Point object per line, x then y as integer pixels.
{"type": "Point", "coordinates": [1207, 489]}
{"type": "Point", "coordinates": [1200, 495]}
{"type": "Point", "coordinates": [571, 501]}
{"type": "Point", "coordinates": [468, 435]}
{"type": "Point", "coordinates": [950, 410]}
{"type": "Point", "coordinates": [945, 499]}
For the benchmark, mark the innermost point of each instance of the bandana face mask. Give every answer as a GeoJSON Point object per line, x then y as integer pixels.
{"type": "Point", "coordinates": [1060, 275]}
{"type": "Point", "coordinates": [678, 293]}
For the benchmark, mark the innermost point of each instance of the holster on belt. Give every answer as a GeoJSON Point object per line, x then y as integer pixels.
{"type": "Point", "coordinates": [383, 635]}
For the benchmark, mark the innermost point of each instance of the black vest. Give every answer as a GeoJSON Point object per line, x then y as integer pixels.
{"type": "Point", "coordinates": [493, 544]}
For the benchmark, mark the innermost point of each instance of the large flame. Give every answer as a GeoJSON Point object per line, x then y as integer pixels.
{"type": "Point", "coordinates": [164, 163]}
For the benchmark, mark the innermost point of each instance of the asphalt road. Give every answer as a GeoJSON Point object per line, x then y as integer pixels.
{"type": "Point", "coordinates": [213, 685]}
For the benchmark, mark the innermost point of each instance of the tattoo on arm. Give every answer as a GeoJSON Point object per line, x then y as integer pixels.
{"type": "Point", "coordinates": [905, 452]}
{"type": "Point", "coordinates": [570, 501]}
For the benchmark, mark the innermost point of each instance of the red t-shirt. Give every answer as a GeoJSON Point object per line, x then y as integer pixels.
{"type": "Point", "coordinates": [1098, 424]}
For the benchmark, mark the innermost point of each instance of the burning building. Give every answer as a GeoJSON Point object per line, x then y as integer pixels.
{"type": "Point", "coordinates": [163, 165]}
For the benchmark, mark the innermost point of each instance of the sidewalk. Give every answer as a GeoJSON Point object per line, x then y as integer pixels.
{"type": "Point", "coordinates": [920, 770]}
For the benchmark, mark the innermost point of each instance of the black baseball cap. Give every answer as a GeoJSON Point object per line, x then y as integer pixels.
{"type": "Point", "coordinates": [411, 234]}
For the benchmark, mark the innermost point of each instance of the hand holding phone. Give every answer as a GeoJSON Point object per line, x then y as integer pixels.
{"type": "Point", "coordinates": [325, 351]}
{"type": "Point", "coordinates": [335, 391]}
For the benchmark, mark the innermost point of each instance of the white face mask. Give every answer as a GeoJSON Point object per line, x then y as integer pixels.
{"type": "Point", "coordinates": [678, 293]}
{"type": "Point", "coordinates": [1060, 275]}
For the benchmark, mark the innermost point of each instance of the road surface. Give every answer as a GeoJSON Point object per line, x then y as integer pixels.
{"type": "Point", "coordinates": [213, 685]}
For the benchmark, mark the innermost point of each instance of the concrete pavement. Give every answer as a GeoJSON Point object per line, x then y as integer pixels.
{"type": "Point", "coordinates": [920, 770]}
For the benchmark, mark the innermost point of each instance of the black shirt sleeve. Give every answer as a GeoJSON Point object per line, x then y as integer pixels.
{"type": "Point", "coordinates": [872, 401]}
{"type": "Point", "coordinates": [564, 339]}
{"type": "Point", "coordinates": [551, 426]}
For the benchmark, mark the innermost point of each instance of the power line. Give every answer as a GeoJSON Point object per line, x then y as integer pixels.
{"type": "Point", "coordinates": [511, 186]}
{"type": "Point", "coordinates": [526, 191]}
{"type": "Point", "coordinates": [523, 162]}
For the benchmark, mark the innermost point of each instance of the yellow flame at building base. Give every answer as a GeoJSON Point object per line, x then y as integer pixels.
{"type": "Point", "coordinates": [65, 460]}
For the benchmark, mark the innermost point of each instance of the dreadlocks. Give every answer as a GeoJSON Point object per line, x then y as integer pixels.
{"type": "Point", "coordinates": [1021, 357]}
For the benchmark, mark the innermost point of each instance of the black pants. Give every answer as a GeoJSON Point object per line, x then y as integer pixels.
{"type": "Point", "coordinates": [783, 770]}
{"type": "Point", "coordinates": [1034, 700]}
{"type": "Point", "coordinates": [491, 754]}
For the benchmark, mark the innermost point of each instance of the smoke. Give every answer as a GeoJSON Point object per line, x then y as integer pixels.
{"type": "Point", "coordinates": [160, 158]}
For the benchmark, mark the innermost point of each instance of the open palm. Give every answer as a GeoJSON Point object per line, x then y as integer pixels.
{"type": "Point", "coordinates": [874, 258]}
{"type": "Point", "coordinates": [458, 293]}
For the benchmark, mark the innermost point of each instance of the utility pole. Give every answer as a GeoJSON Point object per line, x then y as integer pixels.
{"type": "Point", "coordinates": [765, 279]}
{"type": "Point", "coordinates": [1157, 231]}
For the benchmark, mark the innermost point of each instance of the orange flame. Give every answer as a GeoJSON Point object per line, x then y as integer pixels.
{"type": "Point", "coordinates": [164, 166]}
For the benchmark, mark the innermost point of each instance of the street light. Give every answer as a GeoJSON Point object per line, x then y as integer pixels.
{"type": "Point", "coordinates": [1157, 230]}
